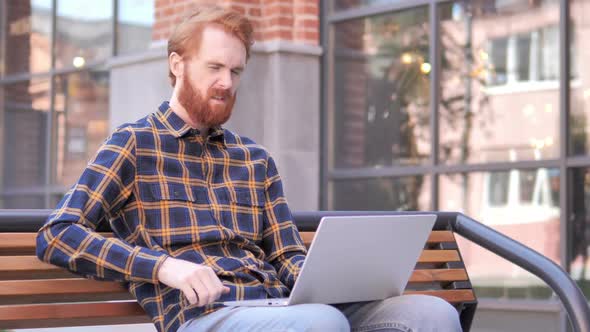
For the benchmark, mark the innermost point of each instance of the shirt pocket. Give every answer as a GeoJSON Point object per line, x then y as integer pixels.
{"type": "Point", "coordinates": [169, 209]}
{"type": "Point", "coordinates": [248, 208]}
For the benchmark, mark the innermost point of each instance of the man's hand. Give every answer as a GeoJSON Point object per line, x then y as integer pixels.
{"type": "Point", "coordinates": [199, 283]}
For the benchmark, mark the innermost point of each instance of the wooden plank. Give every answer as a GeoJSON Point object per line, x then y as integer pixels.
{"type": "Point", "coordinates": [449, 295]}
{"type": "Point", "coordinates": [58, 287]}
{"type": "Point", "coordinates": [435, 237]}
{"type": "Point", "coordinates": [71, 314]}
{"type": "Point", "coordinates": [441, 236]}
{"type": "Point", "coordinates": [445, 275]}
{"type": "Point", "coordinates": [22, 243]}
{"type": "Point", "coordinates": [60, 290]}
{"type": "Point", "coordinates": [30, 267]}
{"type": "Point", "coordinates": [307, 237]}
{"type": "Point", "coordinates": [439, 256]}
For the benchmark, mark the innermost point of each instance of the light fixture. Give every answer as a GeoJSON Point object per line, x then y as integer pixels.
{"type": "Point", "coordinates": [407, 58]}
{"type": "Point", "coordinates": [483, 55]}
{"type": "Point", "coordinates": [78, 62]}
{"type": "Point", "coordinates": [425, 67]}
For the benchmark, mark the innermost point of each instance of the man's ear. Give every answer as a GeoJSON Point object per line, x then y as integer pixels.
{"type": "Point", "coordinates": [176, 64]}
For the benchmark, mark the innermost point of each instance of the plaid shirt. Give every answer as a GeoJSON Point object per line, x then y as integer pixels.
{"type": "Point", "coordinates": [166, 191]}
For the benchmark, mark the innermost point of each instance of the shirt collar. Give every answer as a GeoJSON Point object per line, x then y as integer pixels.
{"type": "Point", "coordinates": [178, 128]}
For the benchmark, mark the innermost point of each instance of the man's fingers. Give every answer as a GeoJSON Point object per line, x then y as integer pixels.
{"type": "Point", "coordinates": [211, 280]}
{"type": "Point", "coordinates": [226, 290]}
{"type": "Point", "coordinates": [190, 295]}
{"type": "Point", "coordinates": [203, 293]}
{"type": "Point", "coordinates": [214, 287]}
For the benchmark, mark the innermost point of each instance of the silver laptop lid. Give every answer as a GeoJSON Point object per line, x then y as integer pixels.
{"type": "Point", "coordinates": [361, 258]}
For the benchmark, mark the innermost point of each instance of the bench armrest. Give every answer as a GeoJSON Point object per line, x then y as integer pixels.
{"type": "Point", "coordinates": [562, 284]}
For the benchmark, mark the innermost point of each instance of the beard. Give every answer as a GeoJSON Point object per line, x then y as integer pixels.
{"type": "Point", "coordinates": [200, 110]}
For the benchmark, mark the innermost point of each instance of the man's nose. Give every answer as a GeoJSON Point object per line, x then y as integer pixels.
{"type": "Point", "coordinates": [225, 80]}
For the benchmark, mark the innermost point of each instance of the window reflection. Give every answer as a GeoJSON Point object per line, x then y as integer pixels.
{"type": "Point", "coordinates": [381, 90]}
{"type": "Point", "coordinates": [28, 36]}
{"type": "Point", "coordinates": [134, 25]}
{"type": "Point", "coordinates": [84, 32]}
{"type": "Point", "coordinates": [579, 228]}
{"type": "Point", "coordinates": [410, 193]}
{"type": "Point", "coordinates": [579, 143]}
{"type": "Point", "coordinates": [522, 204]}
{"type": "Point", "coordinates": [347, 4]}
{"type": "Point", "coordinates": [499, 81]}
{"type": "Point", "coordinates": [81, 122]}
{"type": "Point", "coordinates": [24, 109]}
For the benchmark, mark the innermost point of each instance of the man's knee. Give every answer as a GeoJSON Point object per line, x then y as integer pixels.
{"type": "Point", "coordinates": [438, 311]}
{"type": "Point", "coordinates": [322, 317]}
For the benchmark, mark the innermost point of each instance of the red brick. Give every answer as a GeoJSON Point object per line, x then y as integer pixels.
{"type": "Point", "coordinates": [256, 12]}
{"type": "Point", "coordinates": [306, 10]}
{"type": "Point", "coordinates": [280, 21]}
{"type": "Point", "coordinates": [239, 9]}
{"type": "Point", "coordinates": [271, 2]}
{"type": "Point", "coordinates": [247, 2]}
{"type": "Point", "coordinates": [308, 23]}
{"type": "Point", "coordinates": [277, 34]}
{"type": "Point", "coordinates": [307, 35]}
{"type": "Point", "coordinates": [277, 9]}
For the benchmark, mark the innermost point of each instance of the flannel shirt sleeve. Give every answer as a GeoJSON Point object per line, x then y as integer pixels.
{"type": "Point", "coordinates": [281, 240]}
{"type": "Point", "coordinates": [68, 238]}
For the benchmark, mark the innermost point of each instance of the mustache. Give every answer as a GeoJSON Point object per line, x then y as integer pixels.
{"type": "Point", "coordinates": [226, 94]}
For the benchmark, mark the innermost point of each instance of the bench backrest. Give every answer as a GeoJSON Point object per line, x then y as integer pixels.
{"type": "Point", "coordinates": [36, 294]}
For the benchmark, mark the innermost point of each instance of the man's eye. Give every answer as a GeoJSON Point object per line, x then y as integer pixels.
{"type": "Point", "coordinates": [214, 67]}
{"type": "Point", "coordinates": [236, 72]}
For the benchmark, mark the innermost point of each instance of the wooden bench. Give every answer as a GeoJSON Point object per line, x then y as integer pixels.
{"type": "Point", "coordinates": [36, 294]}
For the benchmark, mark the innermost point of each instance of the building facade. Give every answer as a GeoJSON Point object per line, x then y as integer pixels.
{"type": "Point", "coordinates": [476, 106]}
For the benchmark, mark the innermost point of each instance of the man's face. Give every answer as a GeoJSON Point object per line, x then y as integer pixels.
{"type": "Point", "coordinates": [211, 77]}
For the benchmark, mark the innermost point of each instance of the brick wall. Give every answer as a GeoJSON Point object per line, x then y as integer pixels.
{"type": "Point", "coordinates": [294, 21]}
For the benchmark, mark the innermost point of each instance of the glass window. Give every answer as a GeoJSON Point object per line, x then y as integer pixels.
{"type": "Point", "coordinates": [27, 32]}
{"type": "Point", "coordinates": [410, 193]}
{"type": "Point", "coordinates": [530, 214]}
{"type": "Point", "coordinates": [381, 91]}
{"type": "Point", "coordinates": [19, 201]}
{"type": "Point", "coordinates": [499, 81]}
{"type": "Point", "coordinates": [135, 19]}
{"type": "Point", "coordinates": [579, 143]}
{"type": "Point", "coordinates": [347, 4]}
{"type": "Point", "coordinates": [80, 122]}
{"type": "Point", "coordinates": [579, 228]}
{"type": "Point", "coordinates": [527, 185]}
{"type": "Point", "coordinates": [498, 186]}
{"type": "Point", "coordinates": [24, 110]}
{"type": "Point", "coordinates": [84, 32]}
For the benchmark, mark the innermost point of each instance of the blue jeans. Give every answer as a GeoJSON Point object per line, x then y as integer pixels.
{"type": "Point", "coordinates": [403, 313]}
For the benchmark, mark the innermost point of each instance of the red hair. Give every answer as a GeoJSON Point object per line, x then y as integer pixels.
{"type": "Point", "coordinates": [186, 37]}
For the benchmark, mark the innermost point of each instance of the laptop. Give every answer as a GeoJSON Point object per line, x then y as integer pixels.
{"type": "Point", "coordinates": [355, 259]}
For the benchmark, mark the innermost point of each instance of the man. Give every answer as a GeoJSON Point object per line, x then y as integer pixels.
{"type": "Point", "coordinates": [199, 212]}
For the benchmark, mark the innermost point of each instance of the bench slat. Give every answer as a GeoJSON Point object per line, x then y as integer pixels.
{"type": "Point", "coordinates": [439, 256]}
{"type": "Point", "coordinates": [446, 275]}
{"type": "Point", "coordinates": [24, 243]}
{"type": "Point", "coordinates": [71, 314]}
{"type": "Point", "coordinates": [449, 295]}
{"type": "Point", "coordinates": [30, 267]}
{"type": "Point", "coordinates": [434, 237]}
{"type": "Point", "coordinates": [58, 287]}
